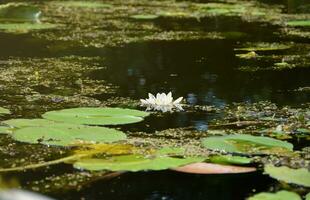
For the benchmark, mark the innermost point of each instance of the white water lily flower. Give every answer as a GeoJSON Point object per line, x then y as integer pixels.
{"type": "Point", "coordinates": [162, 102]}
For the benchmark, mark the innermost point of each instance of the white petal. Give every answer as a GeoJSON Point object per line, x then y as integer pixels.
{"type": "Point", "coordinates": [151, 96]}
{"type": "Point", "coordinates": [178, 100]}
{"type": "Point", "coordinates": [144, 101]}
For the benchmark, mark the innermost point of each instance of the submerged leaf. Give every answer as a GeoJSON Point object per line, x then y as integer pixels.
{"type": "Point", "coordinates": [96, 116]}
{"type": "Point", "coordinates": [67, 135]}
{"type": "Point", "coordinates": [134, 163]}
{"type": "Point", "coordinates": [288, 175]}
{"type": "Point", "coordinates": [247, 144]}
{"type": "Point", "coordinates": [281, 195]}
{"type": "Point", "coordinates": [19, 12]}
{"type": "Point", "coordinates": [210, 168]}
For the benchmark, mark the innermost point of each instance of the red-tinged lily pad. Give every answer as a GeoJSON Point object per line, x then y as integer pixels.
{"type": "Point", "coordinates": [210, 168]}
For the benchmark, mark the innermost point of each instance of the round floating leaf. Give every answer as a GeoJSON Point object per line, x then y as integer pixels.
{"type": "Point", "coordinates": [4, 111]}
{"type": "Point", "coordinates": [22, 123]}
{"type": "Point", "coordinates": [299, 23]}
{"type": "Point", "coordinates": [288, 175]}
{"type": "Point", "coordinates": [209, 168]}
{"type": "Point", "coordinates": [308, 196]}
{"type": "Point", "coordinates": [67, 135]}
{"type": "Point", "coordinates": [134, 163]}
{"type": "Point", "coordinates": [144, 17]}
{"type": "Point", "coordinates": [5, 130]}
{"type": "Point", "coordinates": [24, 27]}
{"type": "Point", "coordinates": [247, 144]}
{"type": "Point", "coordinates": [19, 12]}
{"type": "Point", "coordinates": [96, 116]}
{"type": "Point", "coordinates": [281, 195]}
{"type": "Point", "coordinates": [229, 159]}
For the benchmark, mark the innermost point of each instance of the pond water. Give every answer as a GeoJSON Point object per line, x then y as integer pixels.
{"type": "Point", "coordinates": [96, 58]}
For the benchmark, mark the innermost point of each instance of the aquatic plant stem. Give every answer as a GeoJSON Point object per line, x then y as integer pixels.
{"type": "Point", "coordinates": [44, 164]}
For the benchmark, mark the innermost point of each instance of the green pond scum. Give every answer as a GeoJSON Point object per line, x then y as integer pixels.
{"type": "Point", "coordinates": [72, 74]}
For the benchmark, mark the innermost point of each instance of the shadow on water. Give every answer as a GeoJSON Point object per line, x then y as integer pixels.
{"type": "Point", "coordinates": [204, 72]}
{"type": "Point", "coordinates": [168, 185]}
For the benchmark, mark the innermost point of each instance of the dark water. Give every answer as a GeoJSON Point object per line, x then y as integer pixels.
{"type": "Point", "coordinates": [205, 73]}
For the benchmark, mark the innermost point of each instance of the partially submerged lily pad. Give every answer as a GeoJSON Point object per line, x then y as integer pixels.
{"type": "Point", "coordinates": [96, 116]}
{"type": "Point", "coordinates": [134, 163]}
{"type": "Point", "coordinates": [288, 175]}
{"type": "Point", "coordinates": [67, 135]}
{"type": "Point", "coordinates": [19, 12]}
{"type": "Point", "coordinates": [247, 144]}
{"type": "Point", "coordinates": [281, 195]}
{"type": "Point", "coordinates": [210, 168]}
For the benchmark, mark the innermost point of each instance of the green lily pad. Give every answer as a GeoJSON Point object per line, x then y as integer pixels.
{"type": "Point", "coordinates": [134, 163]}
{"type": "Point", "coordinates": [247, 144]}
{"type": "Point", "coordinates": [144, 17]}
{"type": "Point", "coordinates": [24, 27]}
{"type": "Point", "coordinates": [288, 175]}
{"type": "Point", "coordinates": [281, 195]}
{"type": "Point", "coordinates": [96, 116]}
{"type": "Point", "coordinates": [229, 159]}
{"type": "Point", "coordinates": [171, 151]}
{"type": "Point", "coordinates": [4, 111]}
{"type": "Point", "coordinates": [22, 123]}
{"type": "Point", "coordinates": [298, 23]}
{"type": "Point", "coordinates": [67, 135]}
{"type": "Point", "coordinates": [82, 4]}
{"type": "Point", "coordinates": [308, 196]}
{"type": "Point", "coordinates": [5, 130]}
{"type": "Point", "coordinates": [19, 12]}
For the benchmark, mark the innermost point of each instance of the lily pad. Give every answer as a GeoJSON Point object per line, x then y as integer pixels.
{"type": "Point", "coordinates": [247, 144]}
{"type": "Point", "coordinates": [96, 116]}
{"type": "Point", "coordinates": [308, 196]}
{"type": "Point", "coordinates": [4, 111]}
{"type": "Point", "coordinates": [229, 159]}
{"type": "Point", "coordinates": [24, 27]}
{"type": "Point", "coordinates": [67, 135]}
{"type": "Point", "coordinates": [210, 168]}
{"type": "Point", "coordinates": [22, 123]}
{"type": "Point", "coordinates": [134, 163]}
{"type": "Point", "coordinates": [297, 176]}
{"type": "Point", "coordinates": [144, 17]}
{"type": "Point", "coordinates": [298, 23]}
{"type": "Point", "coordinates": [5, 130]}
{"type": "Point", "coordinates": [19, 12]}
{"type": "Point", "coordinates": [281, 195]}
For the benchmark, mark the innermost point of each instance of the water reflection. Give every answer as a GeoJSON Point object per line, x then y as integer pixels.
{"type": "Point", "coordinates": [172, 66]}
